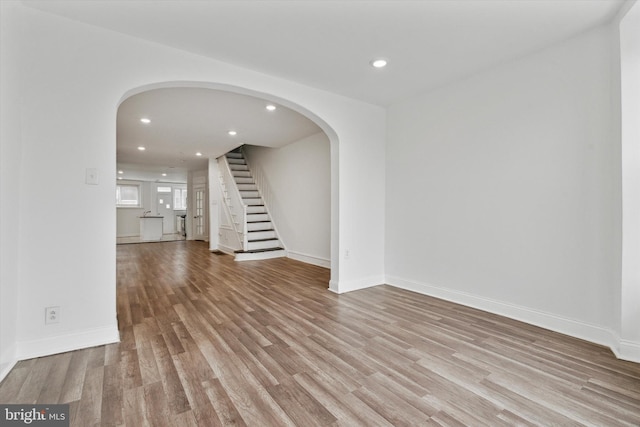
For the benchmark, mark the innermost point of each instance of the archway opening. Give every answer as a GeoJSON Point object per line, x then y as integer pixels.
{"type": "Point", "coordinates": [220, 142]}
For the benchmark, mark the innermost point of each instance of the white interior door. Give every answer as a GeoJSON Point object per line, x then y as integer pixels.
{"type": "Point", "coordinates": [164, 208]}
{"type": "Point", "coordinates": [200, 215]}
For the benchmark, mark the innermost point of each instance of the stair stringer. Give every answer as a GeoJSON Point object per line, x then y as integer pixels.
{"type": "Point", "coordinates": [235, 209]}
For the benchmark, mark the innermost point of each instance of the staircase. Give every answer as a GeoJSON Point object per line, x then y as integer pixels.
{"type": "Point", "coordinates": [261, 240]}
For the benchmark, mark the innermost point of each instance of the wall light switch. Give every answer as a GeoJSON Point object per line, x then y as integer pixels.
{"type": "Point", "coordinates": [91, 176]}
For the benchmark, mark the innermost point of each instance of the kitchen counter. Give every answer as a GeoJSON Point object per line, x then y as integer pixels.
{"type": "Point", "coordinates": [151, 228]}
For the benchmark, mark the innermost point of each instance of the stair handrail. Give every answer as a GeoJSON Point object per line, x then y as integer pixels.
{"type": "Point", "coordinates": [265, 191]}
{"type": "Point", "coordinates": [235, 201]}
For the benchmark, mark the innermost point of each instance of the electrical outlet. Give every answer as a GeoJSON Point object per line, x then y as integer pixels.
{"type": "Point", "coordinates": [51, 315]}
{"type": "Point", "coordinates": [347, 254]}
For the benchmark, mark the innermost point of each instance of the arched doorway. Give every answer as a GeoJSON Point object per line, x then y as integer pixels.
{"type": "Point", "coordinates": [243, 92]}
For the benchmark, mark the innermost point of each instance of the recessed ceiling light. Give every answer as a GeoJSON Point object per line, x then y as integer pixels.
{"type": "Point", "coordinates": [119, 177]}
{"type": "Point", "coordinates": [164, 174]}
{"type": "Point", "coordinates": [198, 154]}
{"type": "Point", "coordinates": [141, 148]}
{"type": "Point", "coordinates": [378, 63]}
{"type": "Point", "coordinates": [145, 120]}
{"type": "Point", "coordinates": [120, 172]}
{"type": "Point", "coordinates": [232, 133]}
{"type": "Point", "coordinates": [271, 107]}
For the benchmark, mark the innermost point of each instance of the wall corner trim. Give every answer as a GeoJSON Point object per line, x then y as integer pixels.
{"type": "Point", "coordinates": [75, 340]}
{"type": "Point", "coordinates": [8, 361]}
{"type": "Point", "coordinates": [625, 350]}
{"type": "Point", "coordinates": [343, 286]}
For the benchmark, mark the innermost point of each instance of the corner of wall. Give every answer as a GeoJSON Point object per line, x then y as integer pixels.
{"type": "Point", "coordinates": [8, 361]}
{"type": "Point", "coordinates": [67, 342]}
{"type": "Point", "coordinates": [627, 350]}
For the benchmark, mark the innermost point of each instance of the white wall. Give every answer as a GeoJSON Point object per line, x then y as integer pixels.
{"type": "Point", "coordinates": [629, 295]}
{"type": "Point", "coordinates": [127, 219]}
{"type": "Point", "coordinates": [501, 190]}
{"type": "Point", "coordinates": [298, 176]}
{"type": "Point", "coordinates": [10, 160]}
{"type": "Point", "coordinates": [72, 78]}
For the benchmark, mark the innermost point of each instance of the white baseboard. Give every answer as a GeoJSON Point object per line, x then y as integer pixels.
{"type": "Point", "coordinates": [593, 333]}
{"type": "Point", "coordinates": [226, 249]}
{"type": "Point", "coordinates": [627, 350]}
{"type": "Point", "coordinates": [67, 342]}
{"type": "Point", "coordinates": [333, 286]}
{"type": "Point", "coordinates": [128, 235]}
{"type": "Point", "coordinates": [8, 361]}
{"type": "Point", "coordinates": [342, 286]}
{"type": "Point", "coordinates": [309, 259]}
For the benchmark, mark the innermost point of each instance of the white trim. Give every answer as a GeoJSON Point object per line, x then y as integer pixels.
{"type": "Point", "coordinates": [7, 368]}
{"type": "Point", "coordinates": [627, 350]}
{"type": "Point", "coordinates": [255, 256]}
{"type": "Point", "coordinates": [69, 342]}
{"type": "Point", "coordinates": [343, 286]}
{"type": "Point", "coordinates": [333, 286]}
{"type": "Point", "coordinates": [309, 259]}
{"type": "Point", "coordinates": [226, 249]}
{"type": "Point", "coordinates": [9, 361]}
{"type": "Point", "coordinates": [128, 235]}
{"type": "Point", "coordinates": [593, 333]}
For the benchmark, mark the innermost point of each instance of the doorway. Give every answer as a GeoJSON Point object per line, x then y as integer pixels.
{"type": "Point", "coordinates": [200, 214]}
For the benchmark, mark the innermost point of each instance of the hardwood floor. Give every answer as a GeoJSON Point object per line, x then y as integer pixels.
{"type": "Point", "coordinates": [207, 341]}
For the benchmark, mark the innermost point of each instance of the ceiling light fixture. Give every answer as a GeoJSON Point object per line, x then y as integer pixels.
{"type": "Point", "coordinates": [164, 174]}
{"type": "Point", "coordinates": [141, 148]}
{"type": "Point", "coordinates": [198, 154]}
{"type": "Point", "coordinates": [232, 133]}
{"type": "Point", "coordinates": [145, 120]}
{"type": "Point", "coordinates": [271, 107]}
{"type": "Point", "coordinates": [378, 63]}
{"type": "Point", "coordinates": [120, 172]}
{"type": "Point", "coordinates": [119, 177]}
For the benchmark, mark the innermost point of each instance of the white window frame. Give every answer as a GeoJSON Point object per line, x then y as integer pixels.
{"type": "Point", "coordinates": [129, 184]}
{"type": "Point", "coordinates": [176, 205]}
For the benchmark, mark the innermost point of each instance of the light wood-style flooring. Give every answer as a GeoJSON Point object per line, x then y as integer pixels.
{"type": "Point", "coordinates": [207, 341]}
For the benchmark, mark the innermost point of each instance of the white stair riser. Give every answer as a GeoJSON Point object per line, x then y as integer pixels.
{"type": "Point", "coordinates": [255, 226]}
{"type": "Point", "coordinates": [236, 161]}
{"type": "Point", "coordinates": [268, 244]}
{"type": "Point", "coordinates": [260, 235]}
{"type": "Point", "coordinates": [249, 194]}
{"type": "Point", "coordinates": [239, 167]}
{"type": "Point", "coordinates": [252, 202]}
{"type": "Point", "coordinates": [258, 217]}
{"type": "Point", "coordinates": [244, 180]}
{"type": "Point", "coordinates": [247, 187]}
{"type": "Point", "coordinates": [256, 209]}
{"type": "Point", "coordinates": [234, 156]}
{"type": "Point", "coordinates": [241, 174]}
{"type": "Point", "coordinates": [260, 255]}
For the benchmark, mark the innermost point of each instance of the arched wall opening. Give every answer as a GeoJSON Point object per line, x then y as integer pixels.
{"type": "Point", "coordinates": [322, 124]}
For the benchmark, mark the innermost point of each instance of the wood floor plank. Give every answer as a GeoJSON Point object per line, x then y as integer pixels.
{"type": "Point", "coordinates": [208, 341]}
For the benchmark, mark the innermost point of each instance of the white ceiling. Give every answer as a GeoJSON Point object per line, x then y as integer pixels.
{"type": "Point", "coordinates": [326, 44]}
{"type": "Point", "coordinates": [185, 121]}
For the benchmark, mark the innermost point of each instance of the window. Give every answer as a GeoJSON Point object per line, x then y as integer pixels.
{"type": "Point", "coordinates": [128, 196]}
{"type": "Point", "coordinates": [180, 199]}
{"type": "Point", "coordinates": [164, 189]}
